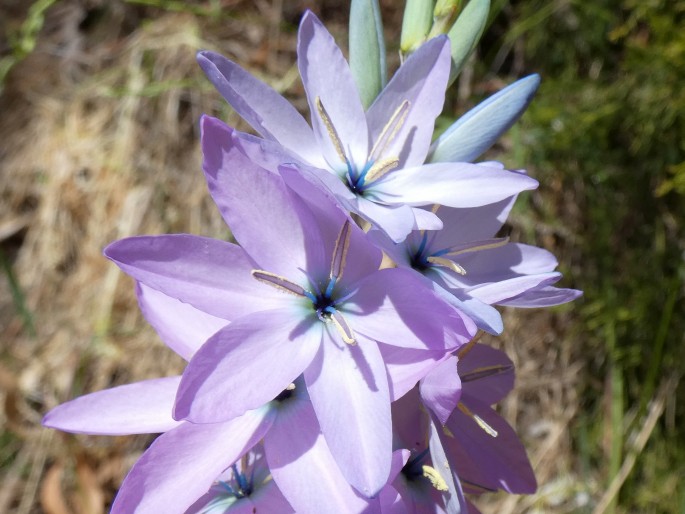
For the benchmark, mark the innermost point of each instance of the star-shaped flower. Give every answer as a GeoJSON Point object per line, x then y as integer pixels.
{"type": "Point", "coordinates": [372, 162]}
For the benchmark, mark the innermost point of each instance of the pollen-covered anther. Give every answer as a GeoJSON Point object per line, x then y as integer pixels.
{"type": "Point", "coordinates": [446, 263]}
{"type": "Point", "coordinates": [279, 282]}
{"type": "Point", "coordinates": [434, 477]}
{"type": "Point", "coordinates": [390, 130]}
{"type": "Point", "coordinates": [485, 372]}
{"type": "Point", "coordinates": [342, 327]}
{"type": "Point", "coordinates": [332, 133]}
{"type": "Point", "coordinates": [477, 246]}
{"type": "Point", "coordinates": [380, 168]}
{"type": "Point", "coordinates": [479, 421]}
{"type": "Point", "coordinates": [342, 245]}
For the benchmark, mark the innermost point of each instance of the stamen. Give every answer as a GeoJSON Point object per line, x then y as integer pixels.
{"type": "Point", "coordinates": [478, 487]}
{"type": "Point", "coordinates": [332, 134]}
{"type": "Point", "coordinates": [446, 263]}
{"type": "Point", "coordinates": [467, 348]}
{"type": "Point", "coordinates": [342, 326]}
{"type": "Point", "coordinates": [378, 169]}
{"type": "Point", "coordinates": [280, 283]}
{"type": "Point", "coordinates": [342, 245]}
{"type": "Point", "coordinates": [435, 478]}
{"type": "Point", "coordinates": [484, 372]}
{"type": "Point", "coordinates": [487, 244]}
{"type": "Point", "coordinates": [479, 421]}
{"type": "Point", "coordinates": [390, 130]}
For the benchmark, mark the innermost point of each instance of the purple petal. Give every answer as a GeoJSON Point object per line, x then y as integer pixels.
{"type": "Point", "coordinates": [498, 292]}
{"type": "Point", "coordinates": [268, 112]}
{"type": "Point", "coordinates": [455, 503]}
{"type": "Point", "coordinates": [348, 387]}
{"type": "Point", "coordinates": [543, 297]}
{"type": "Point", "coordinates": [406, 366]}
{"type": "Point", "coordinates": [277, 231]}
{"type": "Point", "coordinates": [363, 256]}
{"type": "Point", "coordinates": [247, 364]}
{"type": "Point", "coordinates": [420, 81]}
{"type": "Point", "coordinates": [140, 408]}
{"type": "Point", "coordinates": [303, 467]}
{"type": "Point", "coordinates": [394, 306]}
{"type": "Point", "coordinates": [395, 220]}
{"type": "Point", "coordinates": [159, 480]}
{"type": "Point", "coordinates": [472, 224]}
{"type": "Point", "coordinates": [491, 462]}
{"type": "Point", "coordinates": [451, 184]}
{"type": "Point", "coordinates": [487, 374]}
{"type": "Point", "coordinates": [182, 327]}
{"type": "Point", "coordinates": [326, 75]}
{"type": "Point", "coordinates": [441, 389]}
{"type": "Point", "coordinates": [211, 275]}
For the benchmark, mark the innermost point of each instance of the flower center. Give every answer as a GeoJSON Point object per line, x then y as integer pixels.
{"type": "Point", "coordinates": [376, 165]}
{"type": "Point", "coordinates": [325, 303]}
{"type": "Point", "coordinates": [239, 485]}
{"type": "Point", "coordinates": [424, 258]}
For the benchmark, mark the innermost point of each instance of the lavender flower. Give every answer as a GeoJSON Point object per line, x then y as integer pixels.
{"type": "Point", "coordinates": [373, 161]}
{"type": "Point", "coordinates": [184, 467]}
{"type": "Point", "coordinates": [303, 288]}
{"type": "Point", "coordinates": [472, 269]}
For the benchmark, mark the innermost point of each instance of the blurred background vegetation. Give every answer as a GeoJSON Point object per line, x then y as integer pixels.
{"type": "Point", "coordinates": [99, 107]}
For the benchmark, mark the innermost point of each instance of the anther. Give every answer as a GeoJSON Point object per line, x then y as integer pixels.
{"type": "Point", "coordinates": [479, 421]}
{"type": "Point", "coordinates": [390, 130]}
{"type": "Point", "coordinates": [343, 328]}
{"type": "Point", "coordinates": [332, 134]}
{"type": "Point", "coordinates": [380, 168]}
{"type": "Point", "coordinates": [280, 283]}
{"type": "Point", "coordinates": [434, 477]}
{"type": "Point", "coordinates": [446, 263]}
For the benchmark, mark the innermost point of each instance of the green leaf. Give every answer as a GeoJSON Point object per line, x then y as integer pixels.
{"type": "Point", "coordinates": [367, 49]}
{"type": "Point", "coordinates": [466, 32]}
{"type": "Point", "coordinates": [417, 21]}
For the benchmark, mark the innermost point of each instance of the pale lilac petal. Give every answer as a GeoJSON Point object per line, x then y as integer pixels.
{"type": "Point", "coordinates": [159, 481]}
{"type": "Point", "coordinates": [390, 500]}
{"type": "Point", "coordinates": [501, 291]}
{"type": "Point", "coordinates": [140, 408]}
{"type": "Point", "coordinates": [348, 387]}
{"type": "Point", "coordinates": [483, 315]}
{"type": "Point", "coordinates": [303, 467]}
{"type": "Point", "coordinates": [181, 327]}
{"type": "Point", "coordinates": [326, 75]}
{"type": "Point", "coordinates": [487, 374]}
{"type": "Point", "coordinates": [267, 111]}
{"type": "Point", "coordinates": [543, 297]}
{"type": "Point", "coordinates": [420, 81]}
{"type": "Point", "coordinates": [410, 423]}
{"type": "Point", "coordinates": [278, 233]}
{"type": "Point", "coordinates": [269, 498]}
{"type": "Point", "coordinates": [455, 502]}
{"type": "Point", "coordinates": [426, 220]}
{"type": "Point", "coordinates": [262, 152]}
{"type": "Point", "coordinates": [491, 462]}
{"type": "Point", "coordinates": [472, 224]}
{"type": "Point", "coordinates": [406, 366]}
{"type": "Point", "coordinates": [211, 275]}
{"type": "Point", "coordinates": [451, 184]}
{"type": "Point", "coordinates": [499, 263]}
{"type": "Point", "coordinates": [247, 364]}
{"type": "Point", "coordinates": [395, 220]}
{"type": "Point", "coordinates": [363, 257]}
{"type": "Point", "coordinates": [394, 306]}
{"type": "Point", "coordinates": [441, 389]}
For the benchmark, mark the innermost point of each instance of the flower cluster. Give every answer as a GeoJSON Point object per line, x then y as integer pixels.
{"type": "Point", "coordinates": [332, 356]}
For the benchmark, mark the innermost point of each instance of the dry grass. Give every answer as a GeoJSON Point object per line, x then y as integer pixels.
{"type": "Point", "coordinates": [99, 141]}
